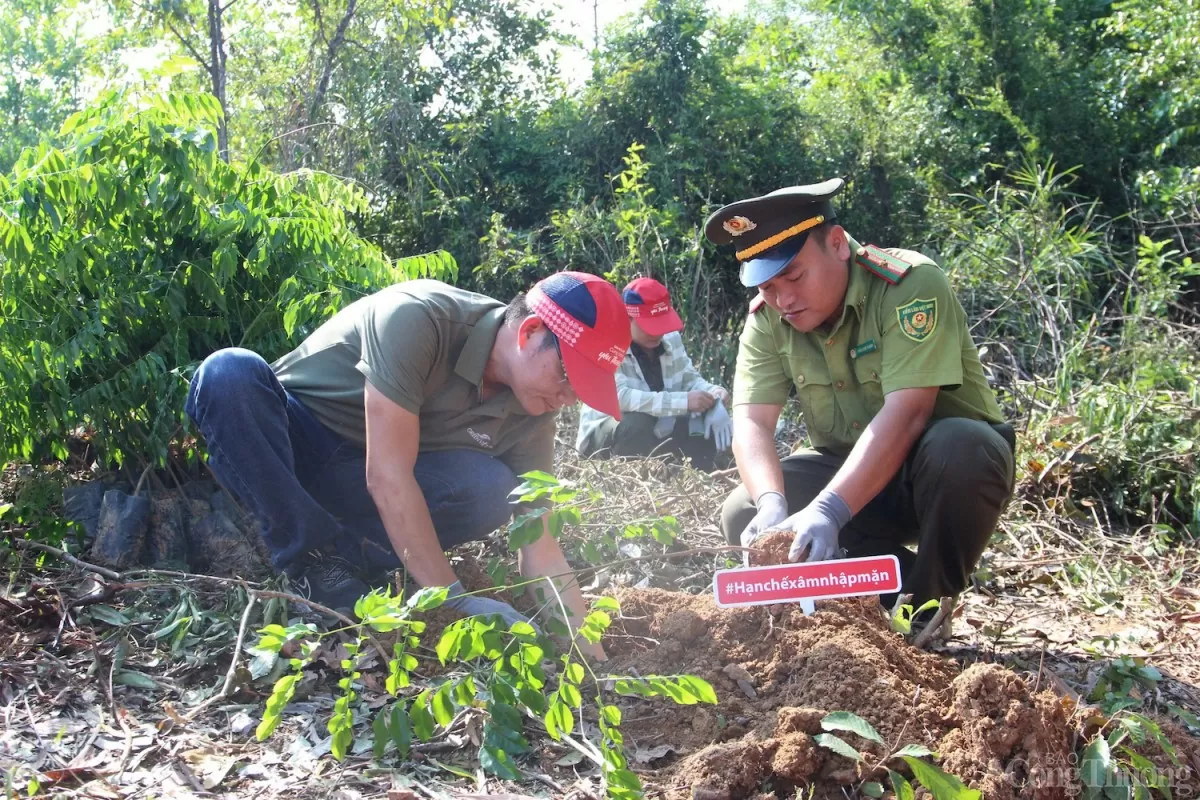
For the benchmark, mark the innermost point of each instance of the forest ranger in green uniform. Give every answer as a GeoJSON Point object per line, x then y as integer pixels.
{"type": "Point", "coordinates": [908, 442]}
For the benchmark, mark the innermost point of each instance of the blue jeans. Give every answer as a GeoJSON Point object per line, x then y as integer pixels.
{"type": "Point", "coordinates": [307, 486]}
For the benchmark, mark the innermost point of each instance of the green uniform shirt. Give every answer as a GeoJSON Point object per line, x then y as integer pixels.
{"type": "Point", "coordinates": [908, 335]}
{"type": "Point", "coordinates": [424, 345]}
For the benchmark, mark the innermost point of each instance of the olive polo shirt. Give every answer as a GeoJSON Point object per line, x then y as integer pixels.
{"type": "Point", "coordinates": [912, 334]}
{"type": "Point", "coordinates": [424, 345]}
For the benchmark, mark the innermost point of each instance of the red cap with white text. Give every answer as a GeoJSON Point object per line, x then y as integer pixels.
{"type": "Point", "coordinates": [585, 312]}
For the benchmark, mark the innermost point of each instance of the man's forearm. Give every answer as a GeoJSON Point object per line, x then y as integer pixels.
{"type": "Point", "coordinates": [877, 457]}
{"type": "Point", "coordinates": [410, 530]}
{"type": "Point", "coordinates": [757, 460]}
{"type": "Point", "coordinates": [544, 558]}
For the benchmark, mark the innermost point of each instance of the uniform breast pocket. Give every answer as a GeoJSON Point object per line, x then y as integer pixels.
{"type": "Point", "coordinates": [867, 370]}
{"type": "Point", "coordinates": [814, 390]}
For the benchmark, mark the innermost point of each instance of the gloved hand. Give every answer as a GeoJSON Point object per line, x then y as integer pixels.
{"type": "Point", "coordinates": [475, 606]}
{"type": "Point", "coordinates": [664, 426]}
{"type": "Point", "coordinates": [718, 427]}
{"type": "Point", "coordinates": [772, 510]}
{"type": "Point", "coordinates": [817, 526]}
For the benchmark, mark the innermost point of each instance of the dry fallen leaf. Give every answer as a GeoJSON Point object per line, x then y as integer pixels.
{"type": "Point", "coordinates": [210, 767]}
{"type": "Point", "coordinates": [648, 754]}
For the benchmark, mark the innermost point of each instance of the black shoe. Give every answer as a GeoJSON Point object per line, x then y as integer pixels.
{"type": "Point", "coordinates": [330, 581]}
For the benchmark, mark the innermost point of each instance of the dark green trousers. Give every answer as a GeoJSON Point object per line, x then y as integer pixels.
{"type": "Point", "coordinates": [633, 437]}
{"type": "Point", "coordinates": [946, 500]}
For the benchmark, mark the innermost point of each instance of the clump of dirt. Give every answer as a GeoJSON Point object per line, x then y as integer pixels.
{"type": "Point", "coordinates": [777, 673]}
{"type": "Point", "coordinates": [771, 548]}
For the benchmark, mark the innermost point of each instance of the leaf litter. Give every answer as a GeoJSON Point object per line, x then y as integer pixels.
{"type": "Point", "coordinates": [1003, 704]}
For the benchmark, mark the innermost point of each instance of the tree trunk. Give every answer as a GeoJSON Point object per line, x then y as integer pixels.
{"type": "Point", "coordinates": [216, 71]}
{"type": "Point", "coordinates": [335, 44]}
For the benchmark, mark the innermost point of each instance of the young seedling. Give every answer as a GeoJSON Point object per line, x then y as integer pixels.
{"type": "Point", "coordinates": [942, 785]}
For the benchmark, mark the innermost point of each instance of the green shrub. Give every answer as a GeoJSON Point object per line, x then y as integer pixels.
{"type": "Point", "coordinates": [129, 251]}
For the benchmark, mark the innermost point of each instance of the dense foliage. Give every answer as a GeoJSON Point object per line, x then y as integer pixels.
{"type": "Point", "coordinates": [1047, 152]}
{"type": "Point", "coordinates": [131, 251]}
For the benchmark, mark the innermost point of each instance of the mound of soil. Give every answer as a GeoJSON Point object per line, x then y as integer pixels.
{"type": "Point", "coordinates": [777, 673]}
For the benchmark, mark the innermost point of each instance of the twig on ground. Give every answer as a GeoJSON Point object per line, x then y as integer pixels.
{"type": "Point", "coordinates": [25, 544]}
{"type": "Point", "coordinates": [933, 629]}
{"type": "Point", "coordinates": [227, 687]}
{"type": "Point", "coordinates": [1037, 683]}
{"type": "Point", "coordinates": [128, 750]}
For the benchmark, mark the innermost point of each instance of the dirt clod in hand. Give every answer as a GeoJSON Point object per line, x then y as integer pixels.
{"type": "Point", "coordinates": [771, 548]}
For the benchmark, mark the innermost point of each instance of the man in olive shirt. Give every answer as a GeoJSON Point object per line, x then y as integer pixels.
{"type": "Point", "coordinates": [397, 429]}
{"type": "Point", "coordinates": [909, 445]}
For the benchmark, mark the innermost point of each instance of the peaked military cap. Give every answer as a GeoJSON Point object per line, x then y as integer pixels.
{"type": "Point", "coordinates": [769, 230]}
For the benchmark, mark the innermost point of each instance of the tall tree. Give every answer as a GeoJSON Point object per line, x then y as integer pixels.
{"type": "Point", "coordinates": [44, 61]}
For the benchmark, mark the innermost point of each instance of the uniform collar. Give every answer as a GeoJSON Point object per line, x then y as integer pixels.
{"type": "Point", "coordinates": [472, 361]}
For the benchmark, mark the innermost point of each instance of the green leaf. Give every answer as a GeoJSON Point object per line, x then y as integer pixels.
{"type": "Point", "coordinates": [872, 789]}
{"type": "Point", "coordinates": [5, 508]}
{"type": "Point", "coordinates": [525, 530]}
{"type": "Point", "coordinates": [443, 706]}
{"type": "Point", "coordinates": [845, 721]}
{"type": "Point", "coordinates": [612, 715]}
{"type": "Point", "coordinates": [942, 785]}
{"type": "Point", "coordinates": [429, 598]}
{"type": "Point", "coordinates": [522, 629]}
{"type": "Point", "coordinates": [558, 719]}
{"type": "Point", "coordinates": [464, 691]}
{"type": "Point", "coordinates": [839, 746]}
{"type": "Point", "coordinates": [281, 695]}
{"type": "Point", "coordinates": [900, 786]}
{"type": "Point", "coordinates": [1095, 764]}
{"type": "Point", "coordinates": [422, 720]}
{"type": "Point", "coordinates": [449, 644]}
{"type": "Point", "coordinates": [109, 615]}
{"type": "Point", "coordinates": [914, 750]}
{"type": "Point", "coordinates": [498, 762]}
{"type": "Point", "coordinates": [453, 770]}
{"type": "Point", "coordinates": [137, 680]}
{"type": "Point", "coordinates": [700, 688]}
{"type": "Point", "coordinates": [399, 728]}
{"type": "Point", "coordinates": [380, 728]}
{"type": "Point", "coordinates": [607, 604]}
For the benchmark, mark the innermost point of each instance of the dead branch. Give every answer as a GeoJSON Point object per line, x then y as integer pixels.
{"type": "Point", "coordinates": [227, 687]}
{"type": "Point", "coordinates": [25, 544]}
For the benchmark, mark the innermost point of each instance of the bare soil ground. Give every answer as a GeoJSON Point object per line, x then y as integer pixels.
{"type": "Point", "coordinates": [98, 699]}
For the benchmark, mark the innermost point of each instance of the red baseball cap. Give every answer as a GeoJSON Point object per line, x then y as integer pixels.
{"type": "Point", "coordinates": [647, 304]}
{"type": "Point", "coordinates": [585, 312]}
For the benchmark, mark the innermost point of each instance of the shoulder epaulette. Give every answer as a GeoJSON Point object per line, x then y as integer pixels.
{"type": "Point", "coordinates": [883, 264]}
{"type": "Point", "coordinates": [757, 303]}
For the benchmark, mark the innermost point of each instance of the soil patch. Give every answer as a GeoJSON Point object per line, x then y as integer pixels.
{"type": "Point", "coordinates": [777, 673]}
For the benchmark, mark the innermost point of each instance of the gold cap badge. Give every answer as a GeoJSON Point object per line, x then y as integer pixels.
{"type": "Point", "coordinates": [738, 225]}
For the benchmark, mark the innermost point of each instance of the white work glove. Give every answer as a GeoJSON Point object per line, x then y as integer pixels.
{"type": "Point", "coordinates": [475, 606]}
{"type": "Point", "coordinates": [664, 426]}
{"type": "Point", "coordinates": [718, 426]}
{"type": "Point", "coordinates": [772, 510]}
{"type": "Point", "coordinates": [817, 526]}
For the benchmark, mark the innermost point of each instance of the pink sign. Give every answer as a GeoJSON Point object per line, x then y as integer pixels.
{"type": "Point", "coordinates": [817, 580]}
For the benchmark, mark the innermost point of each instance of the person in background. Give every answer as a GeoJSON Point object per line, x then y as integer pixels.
{"type": "Point", "coordinates": [666, 407]}
{"type": "Point", "coordinates": [398, 428]}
